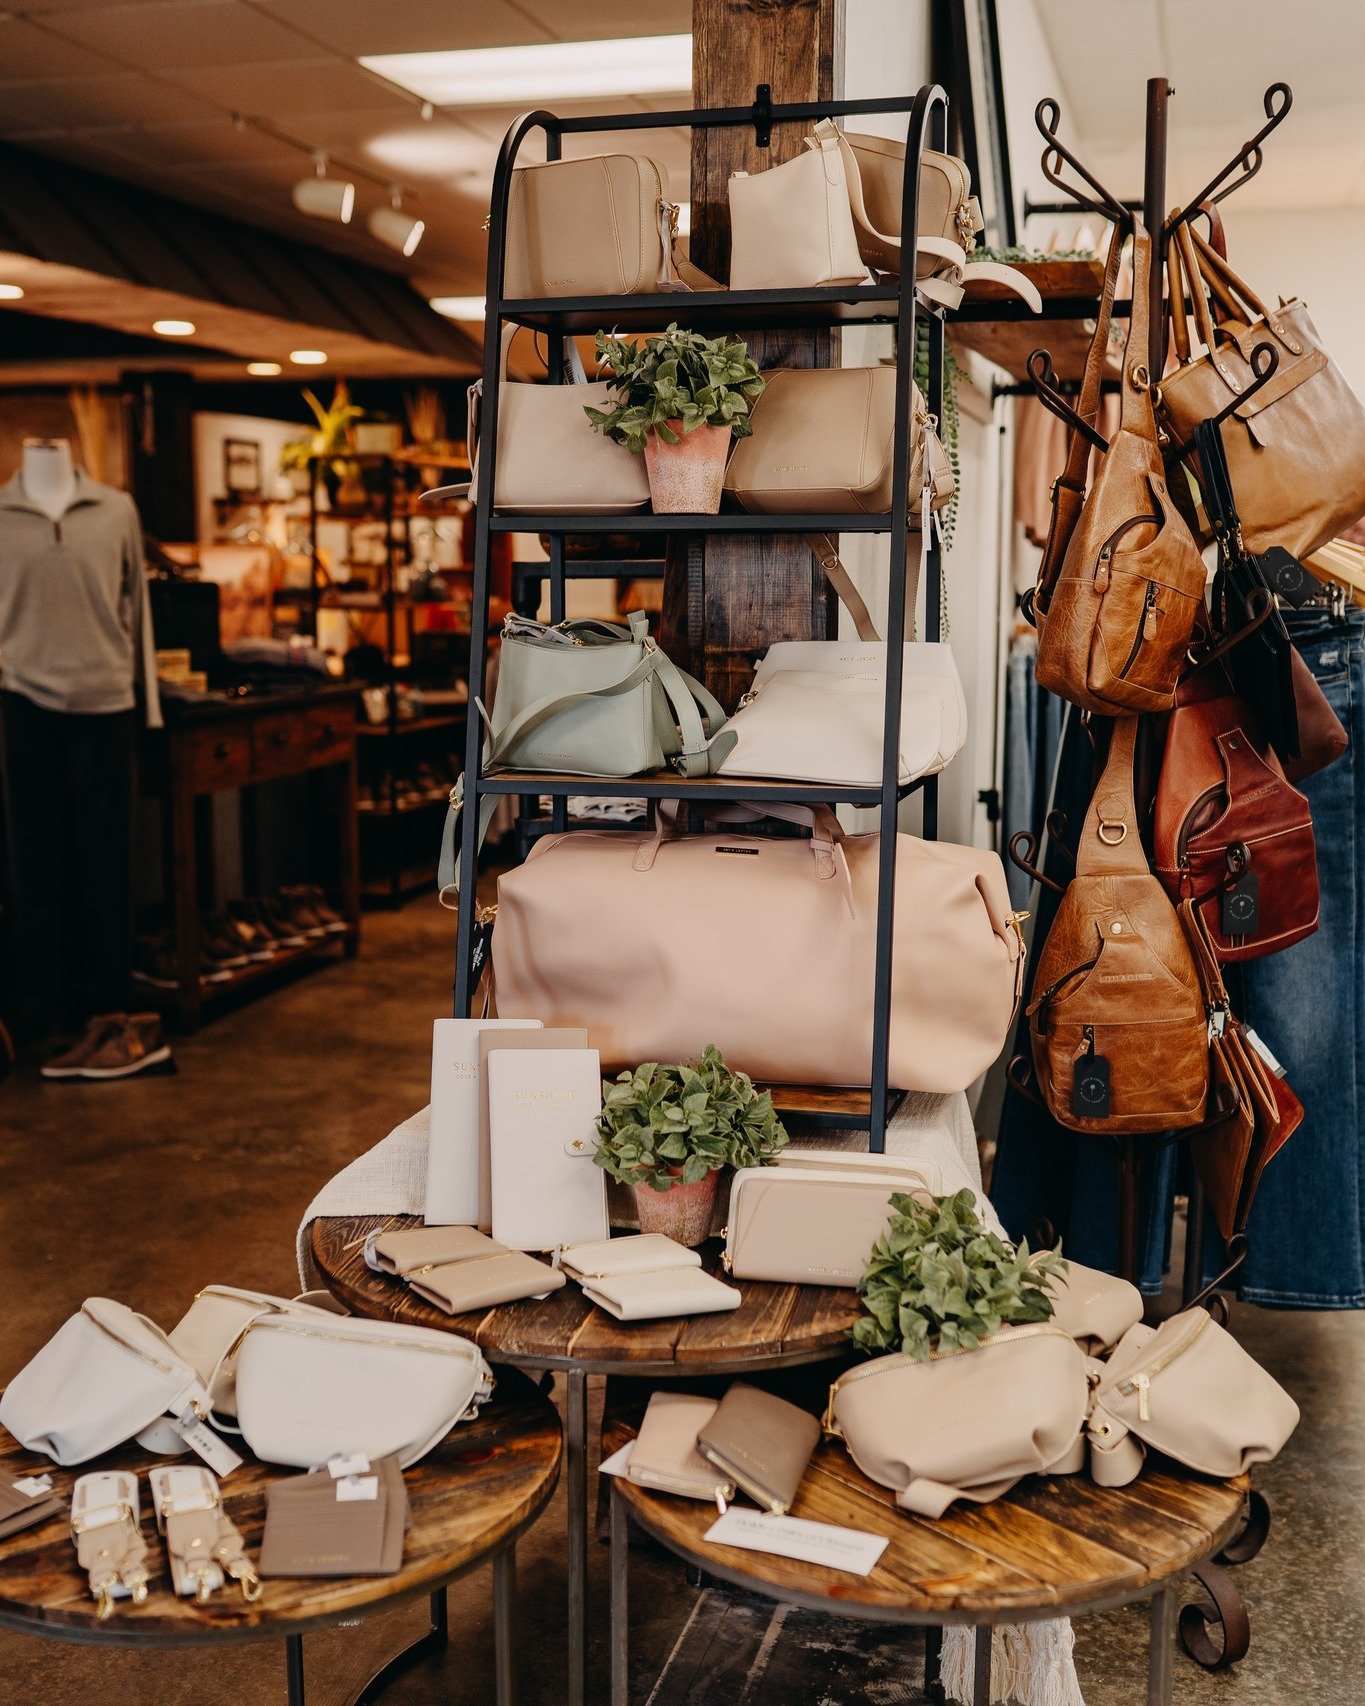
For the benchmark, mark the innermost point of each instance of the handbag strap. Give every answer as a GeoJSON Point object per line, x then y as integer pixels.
{"type": "Point", "coordinates": [826, 838]}
{"type": "Point", "coordinates": [1109, 844]}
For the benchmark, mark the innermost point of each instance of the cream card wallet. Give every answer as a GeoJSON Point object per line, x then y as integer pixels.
{"type": "Point", "coordinates": [542, 1127]}
{"type": "Point", "coordinates": [453, 1147]}
{"type": "Point", "coordinates": [407, 1253]}
{"type": "Point", "coordinates": [665, 1291]}
{"type": "Point", "coordinates": [561, 1037]}
{"type": "Point", "coordinates": [665, 1458]}
{"type": "Point", "coordinates": [635, 1253]}
{"type": "Point", "coordinates": [458, 1287]}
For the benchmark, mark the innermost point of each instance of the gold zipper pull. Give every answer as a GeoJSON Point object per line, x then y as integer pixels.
{"type": "Point", "coordinates": [828, 1425]}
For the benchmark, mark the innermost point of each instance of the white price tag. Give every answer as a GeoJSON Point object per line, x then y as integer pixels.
{"type": "Point", "coordinates": [792, 1537]}
{"type": "Point", "coordinates": [32, 1485]}
{"type": "Point", "coordinates": [1263, 1049]}
{"type": "Point", "coordinates": [216, 1452]}
{"type": "Point", "coordinates": [357, 1487]}
{"type": "Point", "coordinates": [340, 1467]}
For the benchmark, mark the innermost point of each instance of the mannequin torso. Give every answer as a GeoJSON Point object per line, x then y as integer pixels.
{"type": "Point", "coordinates": [47, 476]}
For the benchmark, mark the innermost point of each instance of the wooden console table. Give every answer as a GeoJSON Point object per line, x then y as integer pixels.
{"type": "Point", "coordinates": [224, 744]}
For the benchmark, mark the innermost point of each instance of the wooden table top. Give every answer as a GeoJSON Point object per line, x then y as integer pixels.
{"type": "Point", "coordinates": [1054, 1545]}
{"type": "Point", "coordinates": [486, 1482]}
{"type": "Point", "coordinates": [775, 1326]}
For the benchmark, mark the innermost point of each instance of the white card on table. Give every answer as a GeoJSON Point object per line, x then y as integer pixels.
{"type": "Point", "coordinates": [542, 1128]}
{"type": "Point", "coordinates": [793, 1537]}
{"type": "Point", "coordinates": [453, 1147]}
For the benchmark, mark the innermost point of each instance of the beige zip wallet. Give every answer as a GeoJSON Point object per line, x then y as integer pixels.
{"type": "Point", "coordinates": [458, 1287]}
{"type": "Point", "coordinates": [666, 1291]}
{"type": "Point", "coordinates": [635, 1253]}
{"type": "Point", "coordinates": [665, 1458]}
{"type": "Point", "coordinates": [406, 1253]}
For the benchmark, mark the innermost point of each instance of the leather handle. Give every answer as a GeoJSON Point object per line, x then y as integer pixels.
{"type": "Point", "coordinates": [1109, 843]}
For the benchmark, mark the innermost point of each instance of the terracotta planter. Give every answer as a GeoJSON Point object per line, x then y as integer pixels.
{"type": "Point", "coordinates": [686, 478]}
{"type": "Point", "coordinates": [683, 1213]}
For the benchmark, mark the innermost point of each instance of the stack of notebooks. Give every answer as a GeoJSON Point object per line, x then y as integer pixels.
{"type": "Point", "coordinates": [347, 1519]}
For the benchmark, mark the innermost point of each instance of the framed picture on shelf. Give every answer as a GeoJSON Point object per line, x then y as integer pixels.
{"type": "Point", "coordinates": [242, 466]}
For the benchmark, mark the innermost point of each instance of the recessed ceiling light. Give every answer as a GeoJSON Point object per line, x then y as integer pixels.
{"type": "Point", "coordinates": [263, 369]}
{"type": "Point", "coordinates": [174, 328]}
{"type": "Point", "coordinates": [397, 229]}
{"type": "Point", "coordinates": [11, 292]}
{"type": "Point", "coordinates": [308, 357]}
{"type": "Point", "coordinates": [459, 307]}
{"type": "Point", "coordinates": [544, 72]}
{"type": "Point", "coordinates": [323, 197]}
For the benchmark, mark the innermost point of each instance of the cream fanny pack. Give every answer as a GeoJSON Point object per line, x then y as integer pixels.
{"type": "Point", "coordinates": [106, 1374]}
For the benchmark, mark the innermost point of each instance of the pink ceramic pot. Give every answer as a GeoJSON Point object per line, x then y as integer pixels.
{"type": "Point", "coordinates": [682, 1213]}
{"type": "Point", "coordinates": [687, 478]}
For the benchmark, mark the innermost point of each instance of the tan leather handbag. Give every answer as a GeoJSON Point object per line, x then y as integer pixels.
{"type": "Point", "coordinates": [603, 226]}
{"type": "Point", "coordinates": [1296, 449]}
{"type": "Point", "coordinates": [1121, 583]}
{"type": "Point", "coordinates": [969, 1425]}
{"type": "Point", "coordinates": [791, 227]}
{"type": "Point", "coordinates": [661, 942]}
{"type": "Point", "coordinates": [1117, 1021]}
{"type": "Point", "coordinates": [949, 214]}
{"type": "Point", "coordinates": [1186, 1388]}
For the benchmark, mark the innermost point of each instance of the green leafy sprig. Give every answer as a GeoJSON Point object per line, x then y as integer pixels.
{"type": "Point", "coordinates": [677, 376]}
{"type": "Point", "coordinates": [937, 1279]}
{"type": "Point", "coordinates": [696, 1117]}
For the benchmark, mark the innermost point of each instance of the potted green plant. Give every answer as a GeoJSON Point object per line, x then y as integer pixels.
{"type": "Point", "coordinates": [680, 399]}
{"type": "Point", "coordinates": [938, 1281]}
{"type": "Point", "coordinates": [668, 1130]}
{"type": "Point", "coordinates": [331, 440]}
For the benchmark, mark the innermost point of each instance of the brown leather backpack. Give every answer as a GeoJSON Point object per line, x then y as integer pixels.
{"type": "Point", "coordinates": [1229, 832]}
{"type": "Point", "coordinates": [1121, 583]}
{"type": "Point", "coordinates": [1117, 1021]}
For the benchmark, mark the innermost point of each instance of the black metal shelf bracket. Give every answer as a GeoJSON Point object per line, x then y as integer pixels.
{"type": "Point", "coordinates": [763, 116]}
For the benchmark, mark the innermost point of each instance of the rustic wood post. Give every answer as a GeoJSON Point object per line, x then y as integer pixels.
{"type": "Point", "coordinates": [727, 598]}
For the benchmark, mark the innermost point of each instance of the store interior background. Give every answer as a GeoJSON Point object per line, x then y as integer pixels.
{"type": "Point", "coordinates": [145, 1191]}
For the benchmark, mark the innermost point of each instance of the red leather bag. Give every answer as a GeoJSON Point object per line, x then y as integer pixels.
{"type": "Point", "coordinates": [1229, 831]}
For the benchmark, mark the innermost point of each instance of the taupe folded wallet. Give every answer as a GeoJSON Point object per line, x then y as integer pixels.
{"type": "Point", "coordinates": [458, 1268]}
{"type": "Point", "coordinates": [761, 1443]}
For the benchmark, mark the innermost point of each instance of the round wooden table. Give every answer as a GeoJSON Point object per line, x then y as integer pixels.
{"type": "Point", "coordinates": [472, 1497]}
{"type": "Point", "coordinates": [776, 1326]}
{"type": "Point", "coordinates": [1054, 1547]}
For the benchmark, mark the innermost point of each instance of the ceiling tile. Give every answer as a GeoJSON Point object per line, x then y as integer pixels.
{"type": "Point", "coordinates": [216, 142]}
{"type": "Point", "coordinates": [28, 53]}
{"type": "Point", "coordinates": [600, 20]}
{"type": "Point", "coordinates": [92, 102]}
{"type": "Point", "coordinates": [284, 90]}
{"type": "Point", "coordinates": [356, 27]}
{"type": "Point", "coordinates": [163, 35]}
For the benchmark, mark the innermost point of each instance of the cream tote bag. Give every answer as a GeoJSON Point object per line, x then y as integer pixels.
{"type": "Point", "coordinates": [791, 228]}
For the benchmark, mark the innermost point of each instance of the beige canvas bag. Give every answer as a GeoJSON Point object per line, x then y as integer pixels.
{"type": "Point", "coordinates": [791, 227]}
{"type": "Point", "coordinates": [968, 1425]}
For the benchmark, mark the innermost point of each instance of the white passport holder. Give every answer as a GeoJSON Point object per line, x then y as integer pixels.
{"type": "Point", "coordinates": [453, 1148]}
{"type": "Point", "coordinates": [542, 1126]}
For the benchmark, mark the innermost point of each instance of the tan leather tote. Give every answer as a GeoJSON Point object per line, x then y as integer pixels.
{"type": "Point", "coordinates": [1296, 449]}
{"type": "Point", "coordinates": [660, 942]}
{"type": "Point", "coordinates": [1121, 583]}
{"type": "Point", "coordinates": [1117, 1021]}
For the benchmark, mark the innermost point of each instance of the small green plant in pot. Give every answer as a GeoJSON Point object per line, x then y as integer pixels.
{"type": "Point", "coordinates": [680, 399]}
{"type": "Point", "coordinates": [937, 1281]}
{"type": "Point", "coordinates": [668, 1130]}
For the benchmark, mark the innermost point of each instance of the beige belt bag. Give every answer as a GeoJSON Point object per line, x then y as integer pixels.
{"type": "Point", "coordinates": [661, 943]}
{"type": "Point", "coordinates": [968, 1425]}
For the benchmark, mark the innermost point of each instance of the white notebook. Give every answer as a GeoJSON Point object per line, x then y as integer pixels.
{"type": "Point", "coordinates": [542, 1127]}
{"type": "Point", "coordinates": [453, 1149]}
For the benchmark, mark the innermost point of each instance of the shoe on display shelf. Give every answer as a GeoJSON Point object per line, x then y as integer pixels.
{"type": "Point", "coordinates": [294, 903]}
{"type": "Point", "coordinates": [155, 962]}
{"type": "Point", "coordinates": [222, 948]}
{"type": "Point", "coordinates": [330, 919]}
{"type": "Point", "coordinates": [132, 1044]}
{"type": "Point", "coordinates": [67, 1062]}
{"type": "Point", "coordinates": [256, 938]}
{"type": "Point", "coordinates": [282, 927]}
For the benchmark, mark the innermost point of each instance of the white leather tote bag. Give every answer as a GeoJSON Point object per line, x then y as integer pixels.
{"type": "Point", "coordinates": [105, 1375]}
{"type": "Point", "coordinates": [791, 227]}
{"type": "Point", "coordinates": [306, 1390]}
{"type": "Point", "coordinates": [660, 942]}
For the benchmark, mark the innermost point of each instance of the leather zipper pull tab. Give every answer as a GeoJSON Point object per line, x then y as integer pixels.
{"type": "Point", "coordinates": [1102, 569]}
{"type": "Point", "coordinates": [1150, 614]}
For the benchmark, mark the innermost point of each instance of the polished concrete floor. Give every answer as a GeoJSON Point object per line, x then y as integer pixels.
{"type": "Point", "coordinates": [147, 1190]}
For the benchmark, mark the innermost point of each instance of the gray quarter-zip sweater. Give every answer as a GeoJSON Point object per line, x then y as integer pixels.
{"type": "Point", "coordinates": [75, 622]}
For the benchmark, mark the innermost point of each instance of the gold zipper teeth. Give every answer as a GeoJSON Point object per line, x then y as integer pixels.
{"type": "Point", "coordinates": [1129, 1384]}
{"type": "Point", "coordinates": [760, 1495]}
{"type": "Point", "coordinates": [881, 1365]}
{"type": "Point", "coordinates": [284, 1324]}
{"type": "Point", "coordinates": [133, 1350]}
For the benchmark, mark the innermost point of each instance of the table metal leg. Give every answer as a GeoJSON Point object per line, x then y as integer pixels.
{"type": "Point", "coordinates": [981, 1669]}
{"type": "Point", "coordinates": [293, 1666]}
{"type": "Point", "coordinates": [504, 1614]}
{"type": "Point", "coordinates": [577, 1453]}
{"type": "Point", "coordinates": [1160, 1648]}
{"type": "Point", "coordinates": [620, 1600]}
{"type": "Point", "coordinates": [432, 1640]}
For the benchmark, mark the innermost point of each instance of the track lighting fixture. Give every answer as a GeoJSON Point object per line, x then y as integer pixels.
{"type": "Point", "coordinates": [392, 226]}
{"type": "Point", "coordinates": [324, 197]}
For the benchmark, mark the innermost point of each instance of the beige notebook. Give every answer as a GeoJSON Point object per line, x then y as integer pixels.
{"type": "Point", "coordinates": [542, 1122]}
{"type": "Point", "coordinates": [566, 1036]}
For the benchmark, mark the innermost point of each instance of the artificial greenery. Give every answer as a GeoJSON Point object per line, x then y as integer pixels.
{"type": "Point", "coordinates": [937, 1278]}
{"type": "Point", "coordinates": [672, 1125]}
{"type": "Point", "coordinates": [947, 422]}
{"type": "Point", "coordinates": [677, 376]}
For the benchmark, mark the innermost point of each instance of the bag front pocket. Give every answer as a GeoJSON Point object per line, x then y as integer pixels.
{"type": "Point", "coordinates": [1150, 598]}
{"type": "Point", "coordinates": [1158, 1072]}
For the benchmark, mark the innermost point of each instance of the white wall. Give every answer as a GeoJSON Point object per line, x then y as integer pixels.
{"type": "Point", "coordinates": [210, 431]}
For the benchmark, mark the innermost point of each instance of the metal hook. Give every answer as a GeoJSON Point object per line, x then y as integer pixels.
{"type": "Point", "coordinates": [1044, 377]}
{"type": "Point", "coordinates": [1056, 828]}
{"type": "Point", "coordinates": [1237, 1250]}
{"type": "Point", "coordinates": [1248, 157]}
{"type": "Point", "coordinates": [1265, 359]}
{"type": "Point", "coordinates": [1019, 1077]}
{"type": "Point", "coordinates": [1023, 850]}
{"type": "Point", "coordinates": [1047, 115]}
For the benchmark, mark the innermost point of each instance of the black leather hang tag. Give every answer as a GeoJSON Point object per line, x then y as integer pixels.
{"type": "Point", "coordinates": [1286, 576]}
{"type": "Point", "coordinates": [1090, 1083]}
{"type": "Point", "coordinates": [1242, 906]}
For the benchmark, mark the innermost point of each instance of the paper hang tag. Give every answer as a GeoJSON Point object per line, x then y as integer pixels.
{"type": "Point", "coordinates": [479, 944]}
{"type": "Point", "coordinates": [33, 1485]}
{"type": "Point", "coordinates": [357, 1489]}
{"type": "Point", "coordinates": [1263, 1049]}
{"type": "Point", "coordinates": [202, 1440]}
{"type": "Point", "coordinates": [340, 1468]}
{"type": "Point", "coordinates": [792, 1537]}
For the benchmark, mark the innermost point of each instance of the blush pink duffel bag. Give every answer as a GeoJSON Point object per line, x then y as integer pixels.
{"type": "Point", "coordinates": [662, 942]}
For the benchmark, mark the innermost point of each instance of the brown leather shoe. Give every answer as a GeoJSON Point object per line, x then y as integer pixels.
{"type": "Point", "coordinates": [135, 1044]}
{"type": "Point", "coordinates": [69, 1061]}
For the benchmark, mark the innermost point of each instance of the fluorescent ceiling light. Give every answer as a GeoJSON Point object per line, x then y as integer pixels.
{"type": "Point", "coordinates": [11, 292]}
{"type": "Point", "coordinates": [459, 307]}
{"type": "Point", "coordinates": [307, 357]}
{"type": "Point", "coordinates": [263, 369]}
{"type": "Point", "coordinates": [543, 72]}
{"type": "Point", "coordinates": [174, 328]}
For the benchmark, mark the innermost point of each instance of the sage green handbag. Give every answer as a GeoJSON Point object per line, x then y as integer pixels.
{"type": "Point", "coordinates": [597, 699]}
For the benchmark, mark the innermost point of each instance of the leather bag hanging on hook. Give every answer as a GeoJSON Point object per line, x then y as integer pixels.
{"type": "Point", "coordinates": [1117, 1021]}
{"type": "Point", "coordinates": [1121, 584]}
